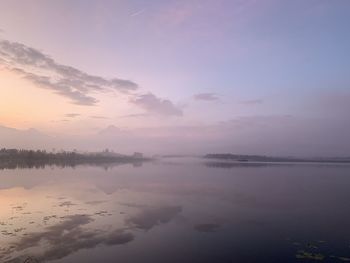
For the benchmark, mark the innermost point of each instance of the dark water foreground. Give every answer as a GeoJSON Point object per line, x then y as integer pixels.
{"type": "Point", "coordinates": [176, 211]}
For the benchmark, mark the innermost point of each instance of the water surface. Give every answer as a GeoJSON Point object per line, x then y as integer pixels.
{"type": "Point", "coordinates": [176, 210]}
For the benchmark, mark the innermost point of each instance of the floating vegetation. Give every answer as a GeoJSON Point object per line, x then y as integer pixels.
{"type": "Point", "coordinates": [101, 213]}
{"type": "Point", "coordinates": [313, 252]}
{"type": "Point", "coordinates": [31, 260]}
{"type": "Point", "coordinates": [18, 208]}
{"type": "Point", "coordinates": [309, 255]}
{"type": "Point", "coordinates": [66, 204]}
{"type": "Point", "coordinates": [19, 229]}
{"type": "Point", "coordinates": [96, 202]}
{"type": "Point", "coordinates": [7, 233]}
{"type": "Point", "coordinates": [309, 245]}
{"type": "Point", "coordinates": [46, 218]}
{"type": "Point", "coordinates": [340, 258]}
{"type": "Point", "coordinates": [344, 258]}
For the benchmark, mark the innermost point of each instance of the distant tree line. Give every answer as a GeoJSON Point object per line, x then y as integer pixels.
{"type": "Point", "coordinates": [21, 158]}
{"type": "Point", "coordinates": [37, 154]}
{"type": "Point", "coordinates": [262, 158]}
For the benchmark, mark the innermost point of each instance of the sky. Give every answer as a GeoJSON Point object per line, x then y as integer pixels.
{"type": "Point", "coordinates": [178, 76]}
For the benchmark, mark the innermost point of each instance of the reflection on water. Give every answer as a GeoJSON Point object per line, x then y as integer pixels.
{"type": "Point", "coordinates": [228, 164]}
{"type": "Point", "coordinates": [178, 211]}
{"type": "Point", "coordinates": [41, 164]}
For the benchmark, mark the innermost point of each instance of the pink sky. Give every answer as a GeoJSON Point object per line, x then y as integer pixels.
{"type": "Point", "coordinates": [177, 76]}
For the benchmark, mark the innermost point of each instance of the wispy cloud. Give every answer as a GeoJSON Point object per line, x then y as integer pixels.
{"type": "Point", "coordinates": [72, 115]}
{"type": "Point", "coordinates": [80, 87]}
{"type": "Point", "coordinates": [137, 13]}
{"type": "Point", "coordinates": [153, 104]}
{"type": "Point", "coordinates": [137, 115]}
{"type": "Point", "coordinates": [99, 117]}
{"type": "Point", "coordinates": [206, 97]}
{"type": "Point", "coordinates": [66, 81]}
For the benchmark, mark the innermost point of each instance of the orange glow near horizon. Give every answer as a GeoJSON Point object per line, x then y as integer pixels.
{"type": "Point", "coordinates": [23, 104]}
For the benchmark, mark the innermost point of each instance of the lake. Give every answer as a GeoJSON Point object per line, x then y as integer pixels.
{"type": "Point", "coordinates": [176, 210]}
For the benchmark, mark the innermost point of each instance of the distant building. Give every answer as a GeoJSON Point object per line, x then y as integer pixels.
{"type": "Point", "coordinates": [137, 155]}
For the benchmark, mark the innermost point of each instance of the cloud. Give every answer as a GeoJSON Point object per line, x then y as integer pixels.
{"type": "Point", "coordinates": [153, 104]}
{"type": "Point", "coordinates": [66, 81]}
{"type": "Point", "coordinates": [112, 130]}
{"type": "Point", "coordinates": [252, 102]}
{"type": "Point", "coordinates": [72, 115]}
{"type": "Point", "coordinates": [137, 115]}
{"type": "Point", "coordinates": [99, 117]}
{"type": "Point", "coordinates": [137, 13]}
{"type": "Point", "coordinates": [206, 97]}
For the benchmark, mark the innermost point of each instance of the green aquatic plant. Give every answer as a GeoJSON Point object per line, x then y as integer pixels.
{"type": "Point", "coordinates": [30, 260]}
{"type": "Point", "coordinates": [308, 255]}
{"type": "Point", "coordinates": [311, 246]}
{"type": "Point", "coordinates": [344, 258]}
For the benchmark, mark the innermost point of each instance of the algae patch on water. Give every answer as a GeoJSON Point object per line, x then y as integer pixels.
{"type": "Point", "coordinates": [344, 258]}
{"type": "Point", "coordinates": [308, 255]}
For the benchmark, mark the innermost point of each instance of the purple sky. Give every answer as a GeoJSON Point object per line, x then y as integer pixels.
{"type": "Point", "coordinates": [267, 76]}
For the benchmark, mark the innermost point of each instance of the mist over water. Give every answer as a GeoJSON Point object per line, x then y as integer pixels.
{"type": "Point", "coordinates": [176, 131]}
{"type": "Point", "coordinates": [176, 210]}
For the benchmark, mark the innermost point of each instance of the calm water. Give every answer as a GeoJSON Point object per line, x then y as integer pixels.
{"type": "Point", "coordinates": [176, 210]}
